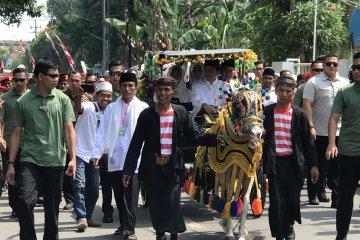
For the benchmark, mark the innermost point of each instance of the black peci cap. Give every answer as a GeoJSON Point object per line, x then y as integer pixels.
{"type": "Point", "coordinates": [213, 63]}
{"type": "Point", "coordinates": [128, 77]}
{"type": "Point", "coordinates": [286, 80]}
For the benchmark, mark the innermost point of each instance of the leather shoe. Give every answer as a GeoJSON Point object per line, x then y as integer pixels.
{"type": "Point", "coordinates": [323, 198]}
{"type": "Point", "coordinates": [341, 237]}
{"type": "Point", "coordinates": [314, 201]}
{"type": "Point", "coordinates": [334, 204]}
{"type": "Point", "coordinates": [161, 236]}
{"type": "Point", "coordinates": [107, 219]}
{"type": "Point", "coordinates": [291, 234]}
{"type": "Point", "coordinates": [13, 214]}
{"type": "Point", "coordinates": [82, 224]}
{"type": "Point", "coordinates": [40, 200]}
{"type": "Point", "coordinates": [130, 237]}
{"type": "Point", "coordinates": [119, 231]}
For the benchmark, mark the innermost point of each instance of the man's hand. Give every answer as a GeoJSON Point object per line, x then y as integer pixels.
{"type": "Point", "coordinates": [95, 162]}
{"type": "Point", "coordinates": [314, 174]}
{"type": "Point", "coordinates": [126, 180]}
{"type": "Point", "coordinates": [2, 103]}
{"type": "Point", "coordinates": [209, 109]}
{"type": "Point", "coordinates": [313, 133]}
{"type": "Point", "coordinates": [331, 151]}
{"type": "Point", "coordinates": [10, 175]}
{"type": "Point", "coordinates": [71, 169]}
{"type": "Point", "coordinates": [2, 144]}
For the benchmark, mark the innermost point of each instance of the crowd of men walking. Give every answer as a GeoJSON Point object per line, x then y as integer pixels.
{"type": "Point", "coordinates": [70, 133]}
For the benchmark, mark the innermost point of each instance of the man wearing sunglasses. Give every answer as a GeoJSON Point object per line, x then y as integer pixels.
{"type": "Point", "coordinates": [116, 68]}
{"type": "Point", "coordinates": [316, 69]}
{"type": "Point", "coordinates": [7, 120]}
{"type": "Point", "coordinates": [319, 95]}
{"type": "Point", "coordinates": [346, 105]}
{"type": "Point", "coordinates": [45, 118]}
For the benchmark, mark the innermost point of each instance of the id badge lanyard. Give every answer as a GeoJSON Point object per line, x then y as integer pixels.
{"type": "Point", "coordinates": [122, 129]}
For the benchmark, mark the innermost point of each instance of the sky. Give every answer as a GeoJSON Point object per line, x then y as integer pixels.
{"type": "Point", "coordinates": [23, 31]}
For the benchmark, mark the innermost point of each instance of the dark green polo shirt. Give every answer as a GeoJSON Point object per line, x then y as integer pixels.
{"type": "Point", "coordinates": [298, 98]}
{"type": "Point", "coordinates": [347, 104]}
{"type": "Point", "coordinates": [115, 95]}
{"type": "Point", "coordinates": [7, 112]}
{"type": "Point", "coordinates": [43, 119]}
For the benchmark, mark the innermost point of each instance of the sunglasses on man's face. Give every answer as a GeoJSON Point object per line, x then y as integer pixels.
{"type": "Point", "coordinates": [329, 64]}
{"type": "Point", "coordinates": [75, 80]}
{"type": "Point", "coordinates": [52, 75]}
{"type": "Point", "coordinates": [355, 67]}
{"type": "Point", "coordinates": [19, 79]}
{"type": "Point", "coordinates": [317, 70]}
{"type": "Point", "coordinates": [115, 74]}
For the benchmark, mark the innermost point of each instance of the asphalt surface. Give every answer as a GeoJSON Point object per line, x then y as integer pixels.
{"type": "Point", "coordinates": [202, 224]}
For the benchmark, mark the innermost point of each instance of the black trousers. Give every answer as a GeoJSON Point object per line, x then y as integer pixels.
{"type": "Point", "coordinates": [164, 193]}
{"type": "Point", "coordinates": [11, 189]}
{"type": "Point", "coordinates": [126, 201]}
{"type": "Point", "coordinates": [328, 171]}
{"type": "Point", "coordinates": [349, 177]}
{"type": "Point", "coordinates": [68, 191]}
{"type": "Point", "coordinates": [106, 189]}
{"type": "Point", "coordinates": [32, 179]}
{"type": "Point", "coordinates": [284, 196]}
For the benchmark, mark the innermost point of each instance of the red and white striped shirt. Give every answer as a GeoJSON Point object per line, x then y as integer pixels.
{"type": "Point", "coordinates": [282, 121]}
{"type": "Point", "coordinates": [166, 132]}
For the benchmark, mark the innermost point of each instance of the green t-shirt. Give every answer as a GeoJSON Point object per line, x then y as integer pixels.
{"type": "Point", "coordinates": [347, 104]}
{"type": "Point", "coordinates": [115, 95]}
{"type": "Point", "coordinates": [7, 112]}
{"type": "Point", "coordinates": [298, 98]}
{"type": "Point", "coordinates": [43, 119]}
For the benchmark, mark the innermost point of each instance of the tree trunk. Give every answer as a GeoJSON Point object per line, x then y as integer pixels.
{"type": "Point", "coordinates": [292, 5]}
{"type": "Point", "coordinates": [163, 25]}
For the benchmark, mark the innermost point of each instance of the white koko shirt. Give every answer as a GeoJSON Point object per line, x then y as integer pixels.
{"type": "Point", "coordinates": [109, 138]}
{"type": "Point", "coordinates": [206, 92]}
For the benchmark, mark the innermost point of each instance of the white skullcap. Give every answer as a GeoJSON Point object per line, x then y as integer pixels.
{"type": "Point", "coordinates": [104, 86]}
{"type": "Point", "coordinates": [22, 66]}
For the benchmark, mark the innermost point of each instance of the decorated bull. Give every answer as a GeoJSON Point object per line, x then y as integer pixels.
{"type": "Point", "coordinates": [223, 176]}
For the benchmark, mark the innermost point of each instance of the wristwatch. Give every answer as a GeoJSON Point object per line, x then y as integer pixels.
{"type": "Point", "coordinates": [11, 162]}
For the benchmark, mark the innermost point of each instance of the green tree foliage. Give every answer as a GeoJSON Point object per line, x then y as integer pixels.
{"type": "Point", "coordinates": [331, 30]}
{"type": "Point", "coordinates": [41, 47]}
{"type": "Point", "coordinates": [12, 10]}
{"type": "Point", "coordinates": [79, 25]}
{"type": "Point", "coordinates": [276, 30]}
{"type": "Point", "coordinates": [278, 34]}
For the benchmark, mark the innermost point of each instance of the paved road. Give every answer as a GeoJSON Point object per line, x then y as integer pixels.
{"type": "Point", "coordinates": [202, 224]}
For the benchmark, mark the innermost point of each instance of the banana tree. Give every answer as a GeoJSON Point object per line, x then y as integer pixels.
{"type": "Point", "coordinates": [135, 33]}
{"type": "Point", "coordinates": [218, 23]}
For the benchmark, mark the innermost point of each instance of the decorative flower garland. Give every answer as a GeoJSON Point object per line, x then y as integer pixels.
{"type": "Point", "coordinates": [247, 57]}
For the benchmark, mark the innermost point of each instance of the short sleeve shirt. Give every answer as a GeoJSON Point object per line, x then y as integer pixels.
{"type": "Point", "coordinates": [7, 112]}
{"type": "Point", "coordinates": [42, 119]}
{"type": "Point", "coordinates": [322, 91]}
{"type": "Point", "coordinates": [85, 128]}
{"type": "Point", "coordinates": [298, 98]}
{"type": "Point", "coordinates": [347, 104]}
